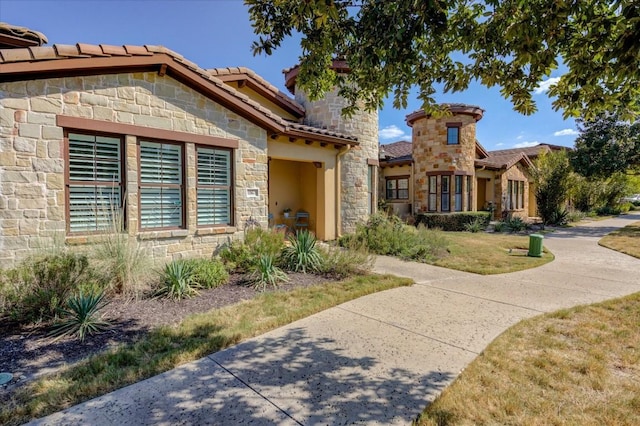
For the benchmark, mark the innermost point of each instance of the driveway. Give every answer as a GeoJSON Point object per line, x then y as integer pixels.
{"type": "Point", "coordinates": [379, 359]}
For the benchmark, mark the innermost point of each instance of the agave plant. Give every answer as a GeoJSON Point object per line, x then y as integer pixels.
{"type": "Point", "coordinates": [178, 280]}
{"type": "Point", "coordinates": [266, 273]}
{"type": "Point", "coordinates": [80, 316]}
{"type": "Point", "coordinates": [302, 255]}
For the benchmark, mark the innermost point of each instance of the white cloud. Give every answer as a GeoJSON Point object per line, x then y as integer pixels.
{"type": "Point", "coordinates": [544, 85]}
{"type": "Point", "coordinates": [526, 144]}
{"type": "Point", "coordinates": [392, 132]}
{"type": "Point", "coordinates": [566, 132]}
{"type": "Point", "coordinates": [500, 144]}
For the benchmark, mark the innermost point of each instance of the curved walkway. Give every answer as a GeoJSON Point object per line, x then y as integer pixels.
{"type": "Point", "coordinates": [375, 360]}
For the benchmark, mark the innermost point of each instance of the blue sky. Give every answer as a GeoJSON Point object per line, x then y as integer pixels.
{"type": "Point", "coordinates": [218, 33]}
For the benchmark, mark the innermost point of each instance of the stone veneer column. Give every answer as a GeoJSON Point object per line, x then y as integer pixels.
{"type": "Point", "coordinates": [326, 113]}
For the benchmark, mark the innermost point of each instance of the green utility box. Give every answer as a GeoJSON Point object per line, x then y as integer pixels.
{"type": "Point", "coordinates": [535, 245]}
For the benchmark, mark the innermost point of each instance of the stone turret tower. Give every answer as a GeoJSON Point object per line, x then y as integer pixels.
{"type": "Point", "coordinates": [444, 152]}
{"type": "Point", "coordinates": [358, 164]}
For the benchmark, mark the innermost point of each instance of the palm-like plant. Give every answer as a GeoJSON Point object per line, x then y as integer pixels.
{"type": "Point", "coordinates": [80, 316]}
{"type": "Point", "coordinates": [178, 281]}
{"type": "Point", "coordinates": [266, 273]}
{"type": "Point", "coordinates": [302, 255]}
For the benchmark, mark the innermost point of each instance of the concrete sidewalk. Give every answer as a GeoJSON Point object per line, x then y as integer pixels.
{"type": "Point", "coordinates": [379, 359]}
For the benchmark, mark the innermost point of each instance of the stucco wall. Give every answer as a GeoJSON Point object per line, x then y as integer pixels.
{"type": "Point", "coordinates": [400, 207]}
{"type": "Point", "coordinates": [326, 113]}
{"type": "Point", "coordinates": [32, 199]}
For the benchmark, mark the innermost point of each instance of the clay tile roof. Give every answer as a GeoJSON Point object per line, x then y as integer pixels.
{"type": "Point", "coordinates": [43, 53]}
{"type": "Point", "coordinates": [16, 55]}
{"type": "Point", "coordinates": [23, 58]}
{"type": "Point", "coordinates": [243, 73]}
{"type": "Point", "coordinates": [499, 160]}
{"type": "Point", "coordinates": [68, 51]}
{"type": "Point", "coordinates": [12, 36]}
{"type": "Point", "coordinates": [137, 50]}
{"type": "Point", "coordinates": [397, 149]}
{"type": "Point", "coordinates": [455, 108]}
{"type": "Point", "coordinates": [114, 50]}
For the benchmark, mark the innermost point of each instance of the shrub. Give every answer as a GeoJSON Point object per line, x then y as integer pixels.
{"type": "Point", "coordinates": [575, 216]}
{"type": "Point", "coordinates": [302, 255]}
{"type": "Point", "coordinates": [342, 262]}
{"type": "Point", "coordinates": [476, 226]}
{"type": "Point", "coordinates": [178, 281]}
{"type": "Point", "coordinates": [452, 221]}
{"type": "Point", "coordinates": [387, 235]}
{"type": "Point", "coordinates": [516, 224]}
{"type": "Point", "coordinates": [80, 316]}
{"type": "Point", "coordinates": [265, 274]}
{"type": "Point", "coordinates": [560, 217]}
{"type": "Point", "coordinates": [41, 285]}
{"type": "Point", "coordinates": [242, 256]}
{"type": "Point", "coordinates": [500, 226]}
{"type": "Point", "coordinates": [208, 273]}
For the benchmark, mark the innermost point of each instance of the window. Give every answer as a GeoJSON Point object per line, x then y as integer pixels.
{"type": "Point", "coordinates": [433, 193]}
{"type": "Point", "coordinates": [161, 185]}
{"type": "Point", "coordinates": [515, 194]}
{"type": "Point", "coordinates": [398, 188]}
{"type": "Point", "coordinates": [469, 193]}
{"type": "Point", "coordinates": [95, 181]}
{"type": "Point", "coordinates": [371, 185]}
{"type": "Point", "coordinates": [453, 134]}
{"type": "Point", "coordinates": [458, 193]}
{"type": "Point", "coordinates": [214, 196]}
{"type": "Point", "coordinates": [444, 202]}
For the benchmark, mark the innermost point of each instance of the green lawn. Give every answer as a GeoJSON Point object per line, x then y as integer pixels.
{"type": "Point", "coordinates": [486, 253]}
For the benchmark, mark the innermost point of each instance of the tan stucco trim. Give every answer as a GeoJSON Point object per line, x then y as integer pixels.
{"type": "Point", "coordinates": [146, 132]}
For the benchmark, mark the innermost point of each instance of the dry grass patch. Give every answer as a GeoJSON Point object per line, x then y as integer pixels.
{"type": "Point", "coordinates": [168, 347]}
{"type": "Point", "coordinates": [625, 240]}
{"type": "Point", "coordinates": [578, 366]}
{"type": "Point", "coordinates": [486, 254]}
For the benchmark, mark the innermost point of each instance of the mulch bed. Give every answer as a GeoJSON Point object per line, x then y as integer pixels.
{"type": "Point", "coordinates": [28, 352]}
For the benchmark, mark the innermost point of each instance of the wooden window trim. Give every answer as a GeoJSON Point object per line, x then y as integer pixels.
{"type": "Point", "coordinates": [396, 178]}
{"type": "Point", "coordinates": [148, 133]}
{"type": "Point", "coordinates": [182, 186]}
{"type": "Point", "coordinates": [231, 190]}
{"type": "Point", "coordinates": [67, 177]}
{"type": "Point", "coordinates": [457, 126]}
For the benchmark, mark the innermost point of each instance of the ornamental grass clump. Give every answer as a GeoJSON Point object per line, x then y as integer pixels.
{"type": "Point", "coordinates": [265, 274]}
{"type": "Point", "coordinates": [81, 317]}
{"type": "Point", "coordinates": [178, 281]}
{"type": "Point", "coordinates": [302, 255]}
{"type": "Point", "coordinates": [242, 256]}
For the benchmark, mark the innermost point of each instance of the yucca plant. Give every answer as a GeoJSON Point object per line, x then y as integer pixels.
{"type": "Point", "coordinates": [476, 225]}
{"type": "Point", "coordinates": [178, 281]}
{"type": "Point", "coordinates": [266, 274]}
{"type": "Point", "coordinates": [302, 255]}
{"type": "Point", "coordinates": [81, 316]}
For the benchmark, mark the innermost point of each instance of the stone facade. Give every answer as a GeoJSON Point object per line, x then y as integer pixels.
{"type": "Point", "coordinates": [516, 173]}
{"type": "Point", "coordinates": [433, 156]}
{"type": "Point", "coordinates": [32, 162]}
{"type": "Point", "coordinates": [355, 202]}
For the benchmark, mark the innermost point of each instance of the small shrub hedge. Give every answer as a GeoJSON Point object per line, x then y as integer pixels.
{"type": "Point", "coordinates": [452, 221]}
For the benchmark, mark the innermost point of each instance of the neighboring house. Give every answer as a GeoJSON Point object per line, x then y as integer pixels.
{"type": "Point", "coordinates": [445, 169]}
{"type": "Point", "coordinates": [188, 154]}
